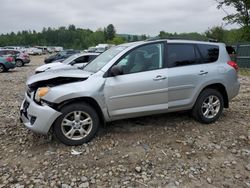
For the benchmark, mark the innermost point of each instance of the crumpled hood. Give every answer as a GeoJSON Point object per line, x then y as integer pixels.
{"type": "Point", "coordinates": [57, 77]}
{"type": "Point", "coordinates": [49, 66]}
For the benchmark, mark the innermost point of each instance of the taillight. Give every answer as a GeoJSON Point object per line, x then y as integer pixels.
{"type": "Point", "coordinates": [233, 64]}
{"type": "Point", "coordinates": [9, 59]}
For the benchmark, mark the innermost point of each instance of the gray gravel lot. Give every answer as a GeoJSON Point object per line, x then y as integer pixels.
{"type": "Point", "coordinates": [169, 150]}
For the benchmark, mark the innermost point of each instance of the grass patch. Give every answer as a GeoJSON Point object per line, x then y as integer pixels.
{"type": "Point", "coordinates": [244, 72]}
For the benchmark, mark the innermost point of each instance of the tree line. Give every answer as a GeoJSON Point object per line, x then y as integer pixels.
{"type": "Point", "coordinates": [79, 38]}
{"type": "Point", "coordinates": [67, 37]}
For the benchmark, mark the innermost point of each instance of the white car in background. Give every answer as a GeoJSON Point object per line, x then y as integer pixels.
{"type": "Point", "coordinates": [75, 61]}
{"type": "Point", "coordinates": [34, 51]}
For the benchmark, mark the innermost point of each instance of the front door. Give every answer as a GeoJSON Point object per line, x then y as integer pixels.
{"type": "Point", "coordinates": [142, 88]}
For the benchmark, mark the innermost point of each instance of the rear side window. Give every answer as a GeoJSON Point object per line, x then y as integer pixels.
{"type": "Point", "coordinates": [209, 53]}
{"type": "Point", "coordinates": [181, 55]}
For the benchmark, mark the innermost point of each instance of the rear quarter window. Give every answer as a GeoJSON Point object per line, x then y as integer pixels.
{"type": "Point", "coordinates": [209, 53]}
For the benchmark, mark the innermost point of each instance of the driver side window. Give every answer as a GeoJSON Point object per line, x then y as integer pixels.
{"type": "Point", "coordinates": [145, 58]}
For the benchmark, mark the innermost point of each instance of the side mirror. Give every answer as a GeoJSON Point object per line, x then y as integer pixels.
{"type": "Point", "coordinates": [72, 62]}
{"type": "Point", "coordinates": [116, 70]}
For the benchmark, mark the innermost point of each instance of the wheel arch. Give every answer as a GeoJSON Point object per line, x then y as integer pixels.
{"type": "Point", "coordinates": [3, 66]}
{"type": "Point", "coordinates": [220, 88]}
{"type": "Point", "coordinates": [19, 59]}
{"type": "Point", "coordinates": [90, 101]}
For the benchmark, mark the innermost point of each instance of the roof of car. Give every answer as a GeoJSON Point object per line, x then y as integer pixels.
{"type": "Point", "coordinates": [88, 53]}
{"type": "Point", "coordinates": [5, 49]}
{"type": "Point", "coordinates": [169, 41]}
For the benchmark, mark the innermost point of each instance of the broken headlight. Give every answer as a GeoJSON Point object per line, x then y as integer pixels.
{"type": "Point", "coordinates": [41, 92]}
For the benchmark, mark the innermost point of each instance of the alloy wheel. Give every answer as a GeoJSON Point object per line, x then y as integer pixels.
{"type": "Point", "coordinates": [211, 106]}
{"type": "Point", "coordinates": [77, 125]}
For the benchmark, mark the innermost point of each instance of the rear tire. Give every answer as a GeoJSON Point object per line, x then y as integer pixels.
{"type": "Point", "coordinates": [209, 106]}
{"type": "Point", "coordinates": [2, 68]}
{"type": "Point", "coordinates": [77, 125]}
{"type": "Point", "coordinates": [19, 63]}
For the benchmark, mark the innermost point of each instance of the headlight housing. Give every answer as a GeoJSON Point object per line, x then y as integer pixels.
{"type": "Point", "coordinates": [41, 92]}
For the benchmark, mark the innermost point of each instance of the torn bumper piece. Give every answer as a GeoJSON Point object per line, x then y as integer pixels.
{"type": "Point", "coordinates": [37, 118]}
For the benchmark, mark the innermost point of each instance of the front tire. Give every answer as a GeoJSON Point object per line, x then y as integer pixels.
{"type": "Point", "coordinates": [77, 125]}
{"type": "Point", "coordinates": [2, 68]}
{"type": "Point", "coordinates": [19, 63]}
{"type": "Point", "coordinates": [209, 106]}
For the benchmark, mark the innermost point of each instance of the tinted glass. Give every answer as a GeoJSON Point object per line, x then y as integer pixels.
{"type": "Point", "coordinates": [91, 57]}
{"type": "Point", "coordinates": [70, 59]}
{"type": "Point", "coordinates": [210, 53]}
{"type": "Point", "coordinates": [82, 59]}
{"type": "Point", "coordinates": [181, 55]}
{"type": "Point", "coordinates": [144, 58]}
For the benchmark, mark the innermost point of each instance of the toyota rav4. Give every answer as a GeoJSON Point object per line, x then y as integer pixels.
{"type": "Point", "coordinates": [131, 80]}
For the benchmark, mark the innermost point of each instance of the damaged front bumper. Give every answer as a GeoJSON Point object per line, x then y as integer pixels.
{"type": "Point", "coordinates": [37, 118]}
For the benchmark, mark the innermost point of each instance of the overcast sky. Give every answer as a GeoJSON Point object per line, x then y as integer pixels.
{"type": "Point", "coordinates": [128, 16]}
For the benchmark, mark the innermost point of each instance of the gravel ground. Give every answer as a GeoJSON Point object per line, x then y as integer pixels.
{"type": "Point", "coordinates": [169, 150]}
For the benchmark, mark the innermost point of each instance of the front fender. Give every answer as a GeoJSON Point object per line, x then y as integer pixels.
{"type": "Point", "coordinates": [89, 88]}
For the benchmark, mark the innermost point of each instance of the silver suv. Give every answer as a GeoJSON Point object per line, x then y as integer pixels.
{"type": "Point", "coordinates": [131, 80]}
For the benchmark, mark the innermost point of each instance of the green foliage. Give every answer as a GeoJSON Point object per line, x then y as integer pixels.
{"type": "Point", "coordinates": [187, 36]}
{"type": "Point", "coordinates": [232, 36]}
{"type": "Point", "coordinates": [242, 8]}
{"type": "Point", "coordinates": [218, 33]}
{"type": "Point", "coordinates": [109, 32]}
{"type": "Point", "coordinates": [118, 40]}
{"type": "Point", "coordinates": [70, 37]}
{"type": "Point", "coordinates": [135, 38]}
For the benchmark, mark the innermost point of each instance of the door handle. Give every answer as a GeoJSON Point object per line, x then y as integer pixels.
{"type": "Point", "coordinates": [203, 72]}
{"type": "Point", "coordinates": [159, 77]}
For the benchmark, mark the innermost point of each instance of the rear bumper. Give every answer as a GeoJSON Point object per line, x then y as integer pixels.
{"type": "Point", "coordinates": [26, 61]}
{"type": "Point", "coordinates": [233, 90]}
{"type": "Point", "coordinates": [37, 118]}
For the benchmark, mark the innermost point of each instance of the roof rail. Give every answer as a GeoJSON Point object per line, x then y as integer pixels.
{"type": "Point", "coordinates": [177, 38]}
{"type": "Point", "coordinates": [213, 40]}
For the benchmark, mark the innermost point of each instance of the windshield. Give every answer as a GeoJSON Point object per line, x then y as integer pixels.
{"type": "Point", "coordinates": [70, 59]}
{"type": "Point", "coordinates": [99, 62]}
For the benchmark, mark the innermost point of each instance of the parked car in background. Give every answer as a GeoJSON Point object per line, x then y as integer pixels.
{"type": "Point", "coordinates": [91, 49]}
{"type": "Point", "coordinates": [60, 56]}
{"type": "Point", "coordinates": [21, 58]}
{"type": "Point", "coordinates": [50, 49]}
{"type": "Point", "coordinates": [12, 47]}
{"type": "Point", "coordinates": [58, 48]}
{"type": "Point", "coordinates": [34, 51]}
{"type": "Point", "coordinates": [7, 63]}
{"type": "Point", "coordinates": [132, 80]}
{"type": "Point", "coordinates": [100, 48]}
{"type": "Point", "coordinates": [43, 48]}
{"type": "Point", "coordinates": [72, 62]}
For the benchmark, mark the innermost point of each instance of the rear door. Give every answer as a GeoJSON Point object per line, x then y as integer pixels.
{"type": "Point", "coordinates": [190, 65]}
{"type": "Point", "coordinates": [142, 89]}
{"type": "Point", "coordinates": [185, 73]}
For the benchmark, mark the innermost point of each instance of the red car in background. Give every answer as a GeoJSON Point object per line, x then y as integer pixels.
{"type": "Point", "coordinates": [21, 58]}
